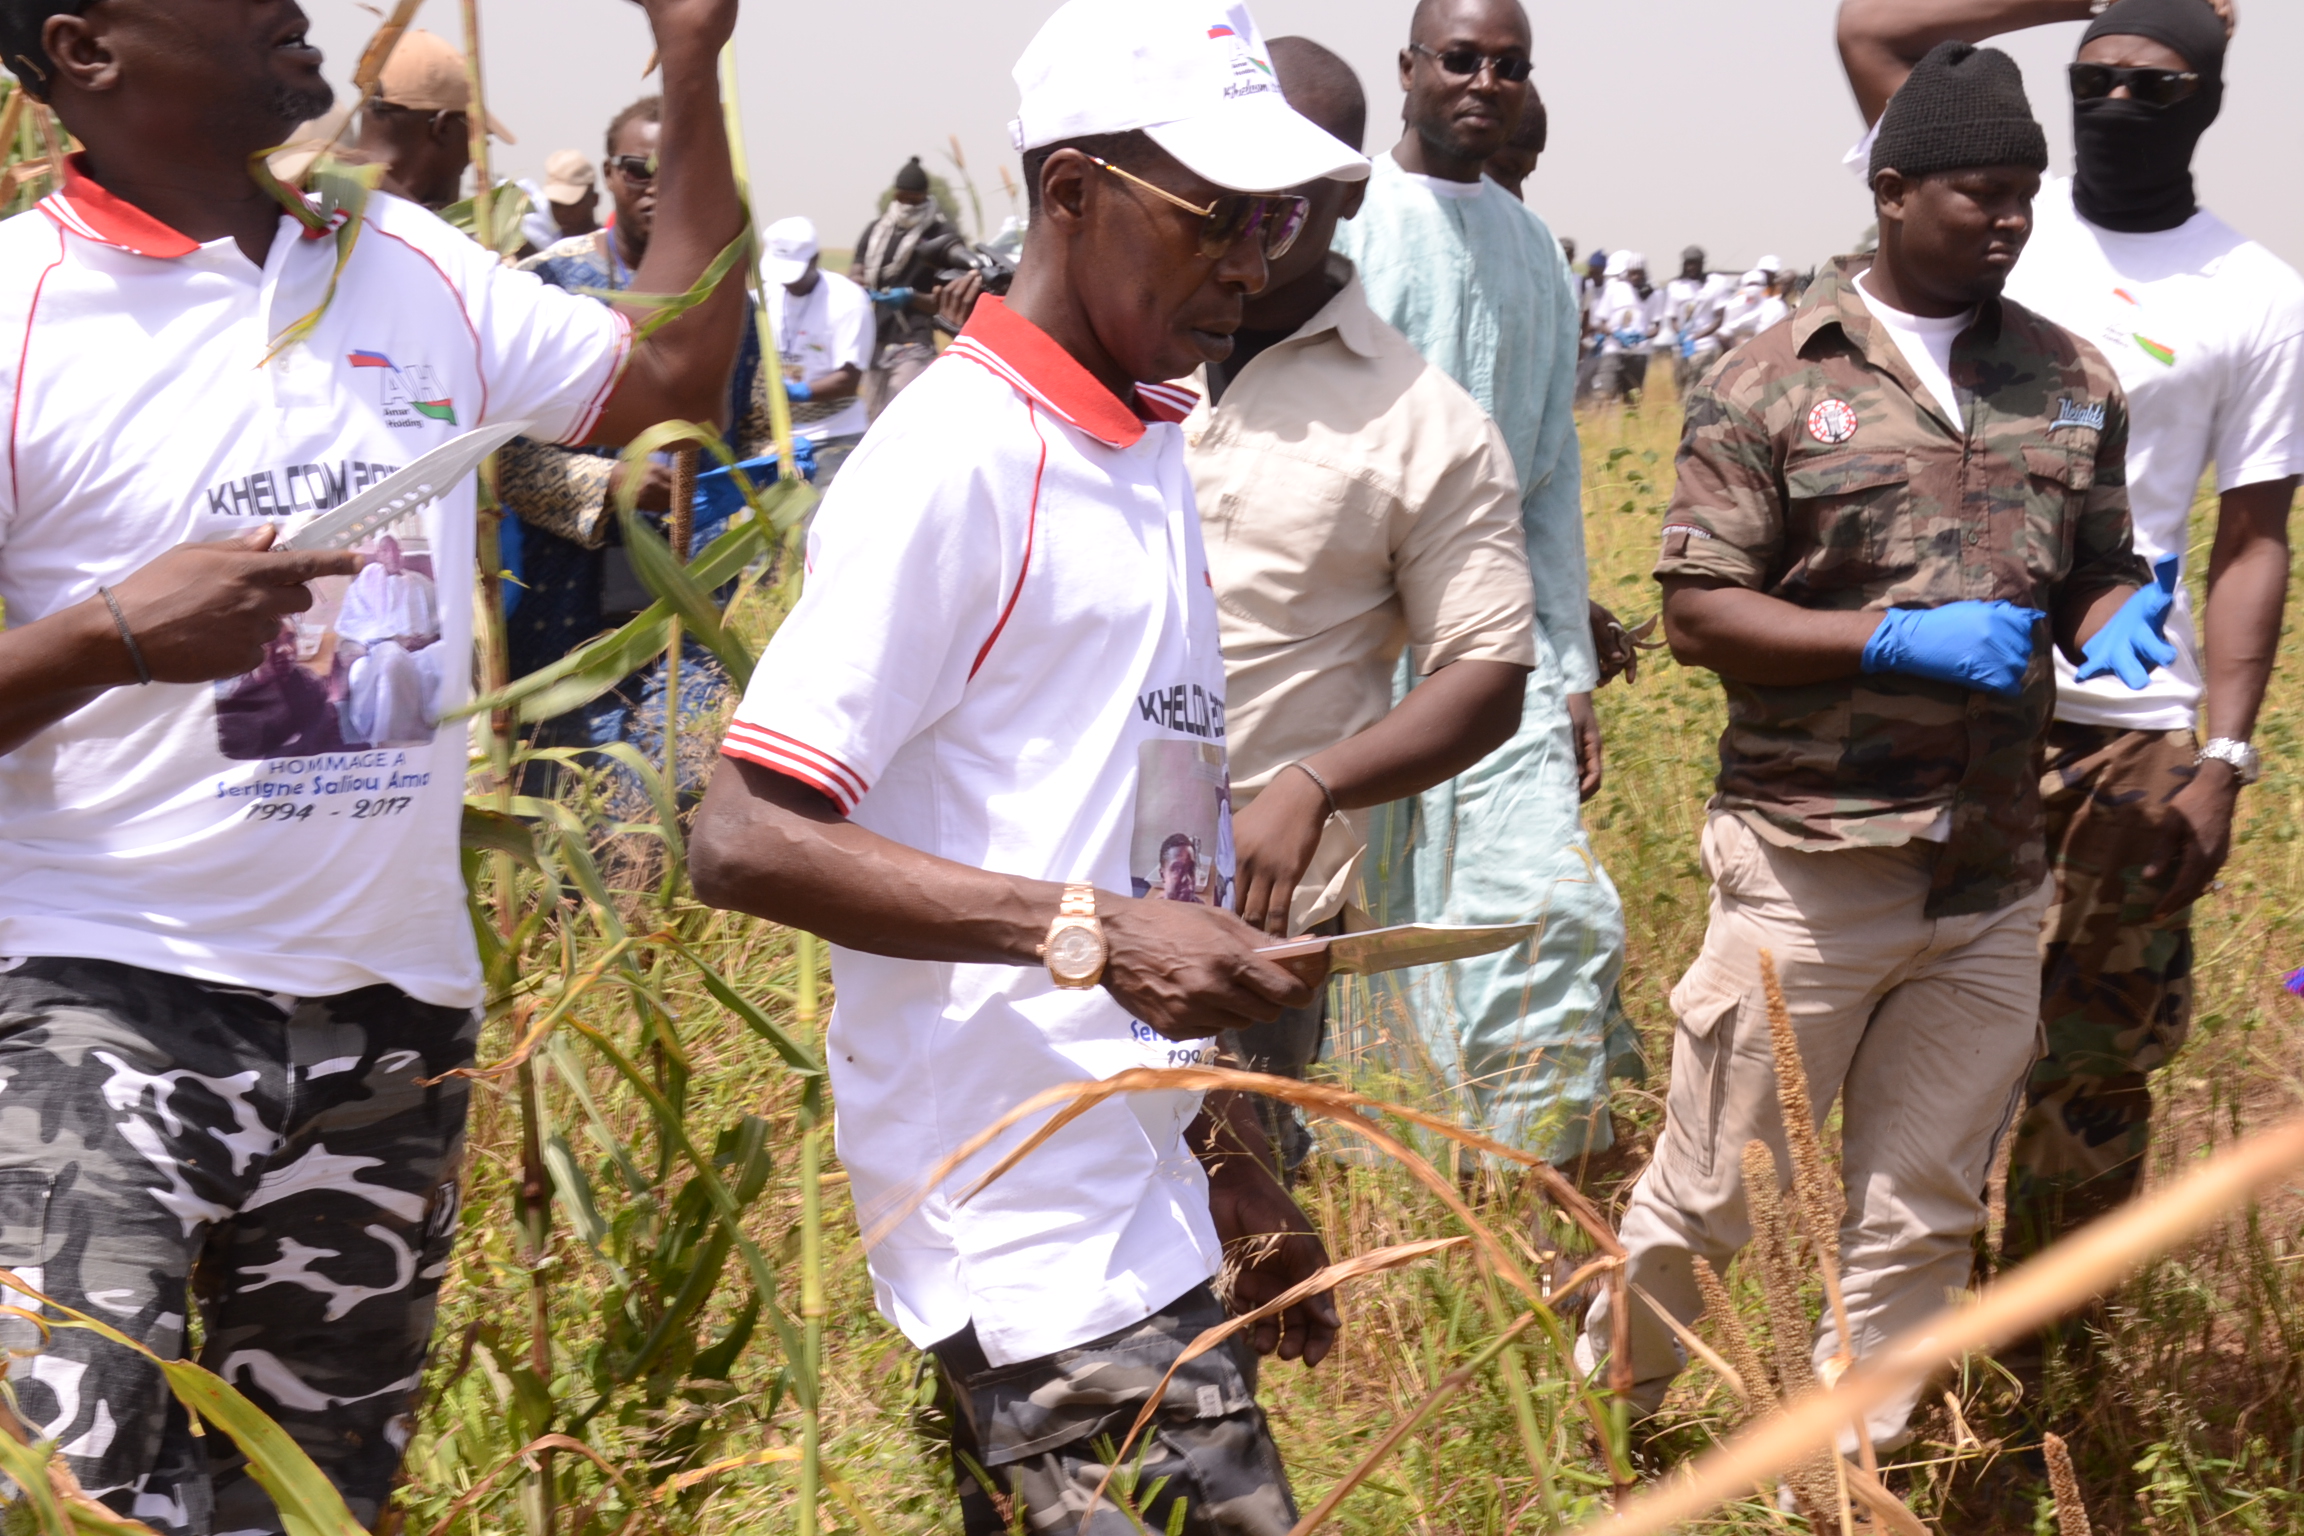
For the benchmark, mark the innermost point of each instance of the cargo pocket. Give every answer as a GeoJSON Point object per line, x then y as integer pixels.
{"type": "Point", "coordinates": [24, 1194]}
{"type": "Point", "coordinates": [2057, 482]}
{"type": "Point", "coordinates": [1708, 1007]}
{"type": "Point", "coordinates": [1853, 511]}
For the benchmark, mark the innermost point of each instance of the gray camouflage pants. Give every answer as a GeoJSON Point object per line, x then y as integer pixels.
{"type": "Point", "coordinates": [271, 1160]}
{"type": "Point", "coordinates": [1204, 1466]}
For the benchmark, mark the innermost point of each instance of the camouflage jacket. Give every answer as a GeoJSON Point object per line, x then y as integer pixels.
{"type": "Point", "coordinates": [1816, 468]}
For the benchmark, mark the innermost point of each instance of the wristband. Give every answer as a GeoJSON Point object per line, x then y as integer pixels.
{"type": "Point", "coordinates": [1307, 770]}
{"type": "Point", "coordinates": [135, 651]}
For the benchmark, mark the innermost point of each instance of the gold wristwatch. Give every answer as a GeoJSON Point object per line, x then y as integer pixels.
{"type": "Point", "coordinates": [1076, 953]}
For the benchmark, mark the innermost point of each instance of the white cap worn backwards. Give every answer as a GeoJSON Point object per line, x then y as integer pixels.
{"type": "Point", "coordinates": [1194, 75]}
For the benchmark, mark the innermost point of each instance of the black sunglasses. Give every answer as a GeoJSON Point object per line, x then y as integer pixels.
{"type": "Point", "coordinates": [1275, 219]}
{"type": "Point", "coordinates": [635, 167]}
{"type": "Point", "coordinates": [1464, 63]}
{"type": "Point", "coordinates": [2152, 87]}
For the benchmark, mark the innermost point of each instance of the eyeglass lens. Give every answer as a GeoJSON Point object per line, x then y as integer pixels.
{"type": "Point", "coordinates": [1466, 62]}
{"type": "Point", "coordinates": [2152, 87]}
{"type": "Point", "coordinates": [1275, 221]}
{"type": "Point", "coordinates": [637, 167]}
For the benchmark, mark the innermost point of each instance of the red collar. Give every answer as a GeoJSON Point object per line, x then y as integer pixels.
{"type": "Point", "coordinates": [92, 213]}
{"type": "Point", "coordinates": [1030, 360]}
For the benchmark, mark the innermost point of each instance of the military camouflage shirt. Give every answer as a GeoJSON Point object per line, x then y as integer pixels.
{"type": "Point", "coordinates": [1817, 469]}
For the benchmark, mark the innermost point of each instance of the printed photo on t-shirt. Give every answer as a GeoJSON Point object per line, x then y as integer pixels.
{"type": "Point", "coordinates": [362, 668]}
{"type": "Point", "coordinates": [1182, 846]}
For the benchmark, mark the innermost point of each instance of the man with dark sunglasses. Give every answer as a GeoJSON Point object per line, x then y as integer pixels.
{"type": "Point", "coordinates": [986, 757]}
{"type": "Point", "coordinates": [2206, 330]}
{"type": "Point", "coordinates": [1478, 283]}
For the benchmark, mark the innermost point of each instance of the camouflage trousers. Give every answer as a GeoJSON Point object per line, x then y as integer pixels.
{"type": "Point", "coordinates": [1045, 1431]}
{"type": "Point", "coordinates": [2116, 983]}
{"type": "Point", "coordinates": [274, 1161]}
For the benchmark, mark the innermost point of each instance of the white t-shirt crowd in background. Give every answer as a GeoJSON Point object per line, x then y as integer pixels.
{"type": "Point", "coordinates": [829, 326]}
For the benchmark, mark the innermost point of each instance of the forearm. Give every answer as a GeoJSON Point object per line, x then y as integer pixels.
{"type": "Point", "coordinates": [2247, 596]}
{"type": "Point", "coordinates": [55, 666]}
{"type": "Point", "coordinates": [558, 489]}
{"type": "Point", "coordinates": [1448, 722]}
{"type": "Point", "coordinates": [769, 846]}
{"type": "Point", "coordinates": [682, 370]}
{"type": "Point", "coordinates": [1751, 637]}
{"type": "Point", "coordinates": [1880, 40]}
{"type": "Point", "coordinates": [2080, 611]}
{"type": "Point", "coordinates": [840, 384]}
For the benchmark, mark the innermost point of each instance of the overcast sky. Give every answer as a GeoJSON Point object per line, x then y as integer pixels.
{"type": "Point", "coordinates": [1673, 121]}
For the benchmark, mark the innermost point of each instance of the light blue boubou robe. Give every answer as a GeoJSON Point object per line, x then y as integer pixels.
{"type": "Point", "coordinates": [1524, 1038]}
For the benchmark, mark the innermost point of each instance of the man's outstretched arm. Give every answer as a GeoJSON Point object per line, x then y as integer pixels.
{"type": "Point", "coordinates": [198, 614]}
{"type": "Point", "coordinates": [771, 846]}
{"type": "Point", "coordinates": [681, 372]}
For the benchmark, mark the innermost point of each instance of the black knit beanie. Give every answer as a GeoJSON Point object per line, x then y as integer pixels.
{"type": "Point", "coordinates": [1964, 106]}
{"type": "Point", "coordinates": [912, 178]}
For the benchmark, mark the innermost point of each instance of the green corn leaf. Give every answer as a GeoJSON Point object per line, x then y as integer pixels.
{"type": "Point", "coordinates": [309, 1504]}
{"type": "Point", "coordinates": [27, 1467]}
{"type": "Point", "coordinates": [491, 831]}
{"type": "Point", "coordinates": [342, 192]}
{"type": "Point", "coordinates": [796, 1056]}
{"type": "Point", "coordinates": [596, 666]}
{"type": "Point", "coordinates": [573, 1190]}
{"type": "Point", "coordinates": [715, 1362]}
{"type": "Point", "coordinates": [508, 205]}
{"type": "Point", "coordinates": [723, 1199]}
{"type": "Point", "coordinates": [664, 308]}
{"type": "Point", "coordinates": [660, 573]}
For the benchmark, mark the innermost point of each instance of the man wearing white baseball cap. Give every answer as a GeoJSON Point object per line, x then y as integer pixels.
{"type": "Point", "coordinates": [825, 336]}
{"type": "Point", "coordinates": [985, 757]}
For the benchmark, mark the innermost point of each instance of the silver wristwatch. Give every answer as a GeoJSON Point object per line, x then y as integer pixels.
{"type": "Point", "coordinates": [2241, 758]}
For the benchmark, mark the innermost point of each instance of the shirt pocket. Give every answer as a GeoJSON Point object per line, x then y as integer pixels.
{"type": "Point", "coordinates": [1850, 519]}
{"type": "Point", "coordinates": [2057, 480]}
{"type": "Point", "coordinates": [1297, 548]}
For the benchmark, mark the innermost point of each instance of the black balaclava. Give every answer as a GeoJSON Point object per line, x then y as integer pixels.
{"type": "Point", "coordinates": [2135, 161]}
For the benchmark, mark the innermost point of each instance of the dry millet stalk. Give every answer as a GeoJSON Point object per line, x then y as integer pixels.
{"type": "Point", "coordinates": [1735, 1341]}
{"type": "Point", "coordinates": [1813, 1482]}
{"type": "Point", "coordinates": [2071, 1509]}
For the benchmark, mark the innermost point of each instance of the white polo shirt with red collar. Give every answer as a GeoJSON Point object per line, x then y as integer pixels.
{"type": "Point", "coordinates": [293, 831]}
{"type": "Point", "coordinates": [1006, 655]}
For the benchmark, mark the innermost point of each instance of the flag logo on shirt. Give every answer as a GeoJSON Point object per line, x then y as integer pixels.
{"type": "Point", "coordinates": [2165, 356]}
{"type": "Point", "coordinates": [1220, 30]}
{"type": "Point", "coordinates": [409, 394]}
{"type": "Point", "coordinates": [1833, 422]}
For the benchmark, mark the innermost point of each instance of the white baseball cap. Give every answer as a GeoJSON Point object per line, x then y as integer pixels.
{"type": "Point", "coordinates": [1619, 263]}
{"type": "Point", "coordinates": [1771, 264]}
{"type": "Point", "coordinates": [1192, 74]}
{"type": "Point", "coordinates": [792, 244]}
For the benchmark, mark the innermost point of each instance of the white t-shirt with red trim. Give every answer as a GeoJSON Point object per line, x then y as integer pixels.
{"type": "Point", "coordinates": [1007, 655]}
{"type": "Point", "coordinates": [293, 831]}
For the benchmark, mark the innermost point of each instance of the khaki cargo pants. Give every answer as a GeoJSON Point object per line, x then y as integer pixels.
{"type": "Point", "coordinates": [1925, 1027]}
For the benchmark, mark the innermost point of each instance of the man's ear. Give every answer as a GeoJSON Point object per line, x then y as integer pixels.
{"type": "Point", "coordinates": [1064, 189]}
{"type": "Point", "coordinates": [1407, 68]}
{"type": "Point", "coordinates": [1355, 198]}
{"type": "Point", "coordinates": [80, 55]}
{"type": "Point", "coordinates": [1890, 193]}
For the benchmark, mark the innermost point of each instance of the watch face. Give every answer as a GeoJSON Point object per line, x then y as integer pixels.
{"type": "Point", "coordinates": [1075, 954]}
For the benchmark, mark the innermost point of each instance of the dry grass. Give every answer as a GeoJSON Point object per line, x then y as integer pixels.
{"type": "Point", "coordinates": [2182, 1410]}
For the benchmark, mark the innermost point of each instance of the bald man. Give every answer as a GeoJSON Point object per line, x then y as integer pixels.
{"type": "Point", "coordinates": [1358, 504]}
{"type": "Point", "coordinates": [1478, 283]}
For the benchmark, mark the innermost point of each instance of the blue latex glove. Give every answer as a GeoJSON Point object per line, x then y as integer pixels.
{"type": "Point", "coordinates": [2135, 640]}
{"type": "Point", "coordinates": [1630, 340]}
{"type": "Point", "coordinates": [797, 389]}
{"type": "Point", "coordinates": [891, 298]}
{"type": "Point", "coordinates": [1986, 646]}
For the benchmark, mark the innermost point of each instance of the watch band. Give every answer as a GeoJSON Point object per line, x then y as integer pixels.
{"type": "Point", "coordinates": [1079, 901]}
{"type": "Point", "coordinates": [2246, 763]}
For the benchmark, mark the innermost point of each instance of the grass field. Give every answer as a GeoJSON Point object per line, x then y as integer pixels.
{"type": "Point", "coordinates": [588, 1212]}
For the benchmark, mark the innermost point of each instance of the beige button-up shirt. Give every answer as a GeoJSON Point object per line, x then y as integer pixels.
{"type": "Point", "coordinates": [1355, 501]}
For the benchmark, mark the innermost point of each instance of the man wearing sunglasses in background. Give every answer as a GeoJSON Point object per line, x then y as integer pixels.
{"type": "Point", "coordinates": [993, 724]}
{"type": "Point", "coordinates": [1478, 283]}
{"type": "Point", "coordinates": [2206, 330]}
